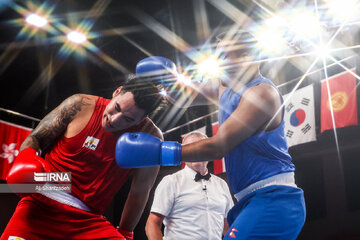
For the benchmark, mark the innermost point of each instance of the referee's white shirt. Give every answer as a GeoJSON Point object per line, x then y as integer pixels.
{"type": "Point", "coordinates": [192, 210]}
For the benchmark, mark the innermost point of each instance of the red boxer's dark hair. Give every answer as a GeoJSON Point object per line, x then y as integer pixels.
{"type": "Point", "coordinates": [146, 93]}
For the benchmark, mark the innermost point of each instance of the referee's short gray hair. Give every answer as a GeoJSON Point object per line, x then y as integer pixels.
{"type": "Point", "coordinates": [194, 134]}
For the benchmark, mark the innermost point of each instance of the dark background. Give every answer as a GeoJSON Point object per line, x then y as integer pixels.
{"type": "Point", "coordinates": [36, 75]}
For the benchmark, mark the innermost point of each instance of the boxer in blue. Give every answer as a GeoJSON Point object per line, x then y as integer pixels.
{"type": "Point", "coordinates": [251, 137]}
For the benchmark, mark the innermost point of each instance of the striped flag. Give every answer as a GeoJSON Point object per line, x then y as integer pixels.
{"type": "Point", "coordinates": [300, 116]}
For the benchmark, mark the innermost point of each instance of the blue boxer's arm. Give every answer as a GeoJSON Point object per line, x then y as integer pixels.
{"type": "Point", "coordinates": [255, 112]}
{"type": "Point", "coordinates": [234, 130]}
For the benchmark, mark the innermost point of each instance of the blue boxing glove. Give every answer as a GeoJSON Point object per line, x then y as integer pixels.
{"type": "Point", "coordinates": [162, 70]}
{"type": "Point", "coordinates": [134, 150]}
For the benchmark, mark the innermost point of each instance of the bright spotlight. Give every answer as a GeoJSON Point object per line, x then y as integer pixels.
{"type": "Point", "coordinates": [275, 22]}
{"type": "Point", "coordinates": [183, 79]}
{"type": "Point", "coordinates": [270, 36]}
{"type": "Point", "coordinates": [76, 37]}
{"type": "Point", "coordinates": [323, 51]}
{"type": "Point", "coordinates": [305, 25]}
{"type": "Point", "coordinates": [36, 20]}
{"type": "Point", "coordinates": [270, 41]}
{"type": "Point", "coordinates": [342, 10]}
{"type": "Point", "coordinates": [209, 67]}
{"type": "Point", "coordinates": [163, 92]}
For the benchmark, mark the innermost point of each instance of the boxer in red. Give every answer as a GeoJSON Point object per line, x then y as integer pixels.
{"type": "Point", "coordinates": [79, 136]}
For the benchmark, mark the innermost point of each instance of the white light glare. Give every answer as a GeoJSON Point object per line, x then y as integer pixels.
{"type": "Point", "coordinates": [275, 22]}
{"type": "Point", "coordinates": [163, 92]}
{"type": "Point", "coordinates": [209, 67]}
{"type": "Point", "coordinates": [343, 9]}
{"type": "Point", "coordinates": [185, 80]}
{"type": "Point", "coordinates": [36, 20]}
{"type": "Point", "coordinates": [323, 51]}
{"type": "Point", "coordinates": [305, 25]}
{"type": "Point", "coordinates": [76, 37]}
{"type": "Point", "coordinates": [270, 41]}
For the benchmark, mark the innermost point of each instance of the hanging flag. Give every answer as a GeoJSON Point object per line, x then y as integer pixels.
{"type": "Point", "coordinates": [11, 137]}
{"type": "Point", "coordinates": [219, 165]}
{"type": "Point", "coordinates": [202, 130]}
{"type": "Point", "coordinates": [342, 89]}
{"type": "Point", "coordinates": [300, 116]}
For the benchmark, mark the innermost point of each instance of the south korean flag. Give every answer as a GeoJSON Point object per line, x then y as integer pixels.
{"type": "Point", "coordinates": [300, 116]}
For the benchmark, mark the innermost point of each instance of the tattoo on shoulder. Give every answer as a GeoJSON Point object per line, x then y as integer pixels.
{"type": "Point", "coordinates": [55, 123]}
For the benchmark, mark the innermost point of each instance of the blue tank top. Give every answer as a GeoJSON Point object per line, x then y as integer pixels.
{"type": "Point", "coordinates": [260, 156]}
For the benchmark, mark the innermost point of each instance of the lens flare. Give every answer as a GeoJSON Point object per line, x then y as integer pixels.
{"type": "Point", "coordinates": [76, 37]}
{"type": "Point", "coordinates": [183, 79]}
{"type": "Point", "coordinates": [163, 92]}
{"type": "Point", "coordinates": [36, 20]}
{"type": "Point", "coordinates": [343, 10]}
{"type": "Point", "coordinates": [209, 67]}
{"type": "Point", "coordinates": [305, 25]}
{"type": "Point", "coordinates": [323, 51]}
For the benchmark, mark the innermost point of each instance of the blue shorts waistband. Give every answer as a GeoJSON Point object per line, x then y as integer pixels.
{"type": "Point", "coordinates": [286, 179]}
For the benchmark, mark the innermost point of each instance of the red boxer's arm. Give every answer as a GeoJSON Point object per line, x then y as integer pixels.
{"type": "Point", "coordinates": [55, 124]}
{"type": "Point", "coordinates": [142, 182]}
{"type": "Point", "coordinates": [50, 128]}
{"type": "Point", "coordinates": [126, 234]}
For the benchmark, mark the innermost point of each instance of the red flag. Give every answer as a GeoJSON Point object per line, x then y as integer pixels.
{"type": "Point", "coordinates": [343, 100]}
{"type": "Point", "coordinates": [219, 165]}
{"type": "Point", "coordinates": [11, 137]}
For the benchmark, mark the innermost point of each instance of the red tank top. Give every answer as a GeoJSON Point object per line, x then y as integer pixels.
{"type": "Point", "coordinates": [90, 157]}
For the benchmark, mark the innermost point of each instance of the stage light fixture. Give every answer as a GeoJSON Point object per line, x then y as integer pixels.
{"type": "Point", "coordinates": [323, 51]}
{"type": "Point", "coordinates": [305, 25]}
{"type": "Point", "coordinates": [36, 20]}
{"type": "Point", "coordinates": [342, 10]}
{"type": "Point", "coordinates": [183, 79]}
{"type": "Point", "coordinates": [76, 37]}
{"type": "Point", "coordinates": [163, 92]}
{"type": "Point", "coordinates": [209, 67]}
{"type": "Point", "coordinates": [270, 41]}
{"type": "Point", "coordinates": [275, 22]}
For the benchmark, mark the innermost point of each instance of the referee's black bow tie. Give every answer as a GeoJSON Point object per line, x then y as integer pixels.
{"type": "Point", "coordinates": [198, 176]}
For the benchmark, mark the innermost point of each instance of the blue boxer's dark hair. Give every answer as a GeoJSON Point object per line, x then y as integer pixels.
{"type": "Point", "coordinates": [240, 42]}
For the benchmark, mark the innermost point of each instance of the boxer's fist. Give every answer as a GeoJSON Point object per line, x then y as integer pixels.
{"type": "Point", "coordinates": [160, 69]}
{"type": "Point", "coordinates": [135, 150]}
{"type": "Point", "coordinates": [24, 166]}
{"type": "Point", "coordinates": [126, 234]}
